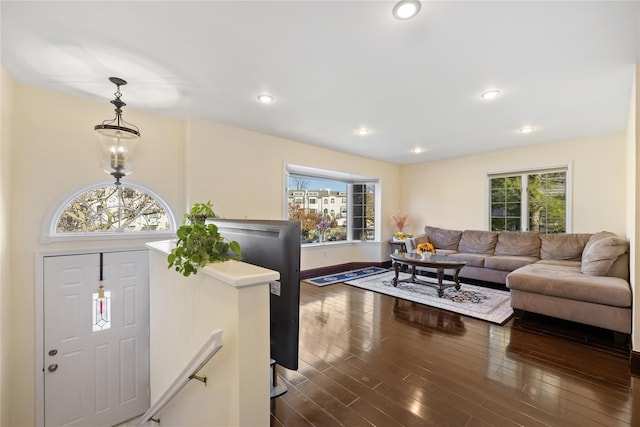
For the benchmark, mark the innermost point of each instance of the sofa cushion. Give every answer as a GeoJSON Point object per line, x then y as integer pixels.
{"type": "Point", "coordinates": [418, 240]}
{"type": "Point", "coordinates": [526, 244]}
{"type": "Point", "coordinates": [445, 252]}
{"type": "Point", "coordinates": [568, 282]}
{"type": "Point", "coordinates": [478, 242]}
{"type": "Point", "coordinates": [601, 251]}
{"type": "Point", "coordinates": [508, 263]}
{"type": "Point", "coordinates": [563, 262]}
{"type": "Point", "coordinates": [473, 260]}
{"type": "Point", "coordinates": [620, 267]}
{"type": "Point", "coordinates": [443, 239]}
{"type": "Point", "coordinates": [411, 243]}
{"type": "Point", "coordinates": [563, 246]}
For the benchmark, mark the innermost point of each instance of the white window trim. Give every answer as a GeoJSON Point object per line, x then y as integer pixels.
{"type": "Point", "coordinates": [49, 234]}
{"type": "Point", "coordinates": [568, 166]}
{"type": "Point", "coordinates": [349, 179]}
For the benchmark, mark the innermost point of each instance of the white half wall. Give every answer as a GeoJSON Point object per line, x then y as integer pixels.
{"type": "Point", "coordinates": [184, 311]}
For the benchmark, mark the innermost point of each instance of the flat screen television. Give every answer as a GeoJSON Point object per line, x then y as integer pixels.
{"type": "Point", "coordinates": [273, 244]}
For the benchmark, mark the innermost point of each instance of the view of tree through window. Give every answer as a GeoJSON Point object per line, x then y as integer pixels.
{"type": "Point", "coordinates": [322, 207]}
{"type": "Point", "coordinates": [529, 202]}
{"type": "Point", "coordinates": [113, 209]}
{"type": "Point", "coordinates": [363, 211]}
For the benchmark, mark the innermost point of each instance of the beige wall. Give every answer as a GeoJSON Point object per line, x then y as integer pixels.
{"type": "Point", "coordinates": [633, 201]}
{"type": "Point", "coordinates": [6, 86]}
{"type": "Point", "coordinates": [452, 193]}
{"type": "Point", "coordinates": [54, 152]}
{"type": "Point", "coordinates": [242, 172]}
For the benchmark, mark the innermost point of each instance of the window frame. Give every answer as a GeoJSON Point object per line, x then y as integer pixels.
{"type": "Point", "coordinates": [343, 177]}
{"type": "Point", "coordinates": [524, 220]}
{"type": "Point", "coordinates": [49, 226]}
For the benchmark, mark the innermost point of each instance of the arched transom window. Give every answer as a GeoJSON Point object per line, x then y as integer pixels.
{"type": "Point", "coordinates": [107, 209]}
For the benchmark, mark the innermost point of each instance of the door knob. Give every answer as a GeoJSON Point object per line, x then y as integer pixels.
{"type": "Point", "coordinates": [53, 367]}
{"type": "Point", "coordinates": [53, 352]}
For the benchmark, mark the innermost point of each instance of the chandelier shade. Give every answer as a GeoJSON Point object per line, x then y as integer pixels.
{"type": "Point", "coordinates": [118, 139]}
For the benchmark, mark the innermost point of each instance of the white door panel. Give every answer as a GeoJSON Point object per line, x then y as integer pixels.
{"type": "Point", "coordinates": [102, 377]}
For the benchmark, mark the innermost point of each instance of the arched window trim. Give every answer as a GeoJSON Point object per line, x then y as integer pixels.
{"type": "Point", "coordinates": [50, 235]}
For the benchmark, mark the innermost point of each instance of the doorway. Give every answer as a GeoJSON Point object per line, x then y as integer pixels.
{"type": "Point", "coordinates": [95, 343]}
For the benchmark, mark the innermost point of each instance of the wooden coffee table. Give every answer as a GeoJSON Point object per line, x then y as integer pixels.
{"type": "Point", "coordinates": [439, 262]}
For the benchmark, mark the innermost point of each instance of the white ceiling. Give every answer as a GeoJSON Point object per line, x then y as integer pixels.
{"type": "Point", "coordinates": [565, 68]}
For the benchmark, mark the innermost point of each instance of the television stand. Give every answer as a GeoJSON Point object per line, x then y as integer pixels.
{"type": "Point", "coordinates": [277, 388]}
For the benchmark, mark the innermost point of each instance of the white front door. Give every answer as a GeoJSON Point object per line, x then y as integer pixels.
{"type": "Point", "coordinates": [96, 350]}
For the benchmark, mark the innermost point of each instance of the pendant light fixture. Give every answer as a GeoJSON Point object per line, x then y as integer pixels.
{"type": "Point", "coordinates": [117, 139]}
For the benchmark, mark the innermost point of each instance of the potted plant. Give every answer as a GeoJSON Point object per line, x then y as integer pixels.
{"type": "Point", "coordinates": [199, 243]}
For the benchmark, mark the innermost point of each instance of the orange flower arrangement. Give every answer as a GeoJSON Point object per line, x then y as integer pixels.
{"type": "Point", "coordinates": [425, 247]}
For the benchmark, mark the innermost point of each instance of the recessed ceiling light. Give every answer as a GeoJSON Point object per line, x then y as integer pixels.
{"type": "Point", "coordinates": [364, 131]}
{"type": "Point", "coordinates": [406, 9]}
{"type": "Point", "coordinates": [265, 99]}
{"type": "Point", "coordinates": [527, 129]}
{"type": "Point", "coordinates": [490, 94]}
{"type": "Point", "coordinates": [418, 150]}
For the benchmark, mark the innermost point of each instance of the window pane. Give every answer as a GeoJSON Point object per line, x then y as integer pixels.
{"type": "Point", "coordinates": [363, 212]}
{"type": "Point", "coordinates": [547, 202]}
{"type": "Point", "coordinates": [498, 195]}
{"type": "Point", "coordinates": [111, 209]}
{"type": "Point", "coordinates": [326, 219]}
{"type": "Point", "coordinates": [322, 214]}
{"type": "Point", "coordinates": [513, 189]}
{"type": "Point", "coordinates": [505, 202]}
{"type": "Point", "coordinates": [498, 210]}
{"type": "Point", "coordinates": [513, 224]}
{"type": "Point", "coordinates": [498, 224]}
{"type": "Point", "coordinates": [513, 210]}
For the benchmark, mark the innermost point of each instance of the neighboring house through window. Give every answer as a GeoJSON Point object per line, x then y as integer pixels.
{"type": "Point", "coordinates": [530, 200]}
{"type": "Point", "coordinates": [348, 210]}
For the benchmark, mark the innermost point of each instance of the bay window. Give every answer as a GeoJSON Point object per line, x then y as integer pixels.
{"type": "Point", "coordinates": [344, 205]}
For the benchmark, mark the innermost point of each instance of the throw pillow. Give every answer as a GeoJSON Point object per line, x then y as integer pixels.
{"type": "Point", "coordinates": [563, 246]}
{"type": "Point", "coordinates": [518, 243]}
{"type": "Point", "coordinates": [443, 239]}
{"type": "Point", "coordinates": [478, 242]}
{"type": "Point", "coordinates": [601, 252]}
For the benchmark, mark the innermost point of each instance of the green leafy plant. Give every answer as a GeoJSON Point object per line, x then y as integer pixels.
{"type": "Point", "coordinates": [199, 243]}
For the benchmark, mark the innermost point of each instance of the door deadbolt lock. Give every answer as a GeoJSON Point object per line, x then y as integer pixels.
{"type": "Point", "coordinates": [53, 367]}
{"type": "Point", "coordinates": [53, 352]}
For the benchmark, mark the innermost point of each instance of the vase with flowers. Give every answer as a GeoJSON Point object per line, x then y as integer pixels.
{"type": "Point", "coordinates": [399, 221]}
{"type": "Point", "coordinates": [322, 227]}
{"type": "Point", "coordinates": [426, 250]}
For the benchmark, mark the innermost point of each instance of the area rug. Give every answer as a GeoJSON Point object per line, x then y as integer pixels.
{"type": "Point", "coordinates": [483, 303]}
{"type": "Point", "coordinates": [346, 275]}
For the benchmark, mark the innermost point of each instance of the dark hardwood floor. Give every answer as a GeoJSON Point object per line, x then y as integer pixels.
{"type": "Point", "coordinates": [370, 359]}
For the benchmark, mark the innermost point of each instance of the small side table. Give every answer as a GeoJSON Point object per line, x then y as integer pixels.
{"type": "Point", "coordinates": [397, 245]}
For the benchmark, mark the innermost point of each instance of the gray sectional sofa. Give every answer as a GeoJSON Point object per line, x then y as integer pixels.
{"type": "Point", "coordinates": [579, 277]}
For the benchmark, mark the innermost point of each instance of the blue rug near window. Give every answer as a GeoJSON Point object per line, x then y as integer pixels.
{"type": "Point", "coordinates": [347, 275]}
